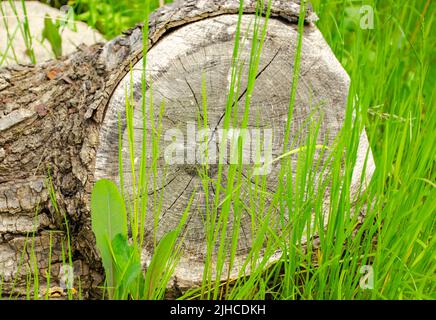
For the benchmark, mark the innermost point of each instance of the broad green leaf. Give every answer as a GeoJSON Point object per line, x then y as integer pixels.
{"type": "Point", "coordinates": [52, 35]}
{"type": "Point", "coordinates": [108, 215]}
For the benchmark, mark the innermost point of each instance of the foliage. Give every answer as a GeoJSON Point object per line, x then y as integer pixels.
{"type": "Point", "coordinates": [393, 72]}
{"type": "Point", "coordinates": [51, 33]}
{"type": "Point", "coordinates": [111, 17]}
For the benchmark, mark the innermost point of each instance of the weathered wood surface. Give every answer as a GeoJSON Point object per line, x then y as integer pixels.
{"type": "Point", "coordinates": [60, 116]}
{"type": "Point", "coordinates": [13, 45]}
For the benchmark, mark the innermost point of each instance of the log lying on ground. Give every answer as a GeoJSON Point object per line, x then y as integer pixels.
{"type": "Point", "coordinates": [15, 50]}
{"type": "Point", "coordinates": [61, 117]}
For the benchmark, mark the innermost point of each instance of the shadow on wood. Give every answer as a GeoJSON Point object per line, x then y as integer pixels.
{"type": "Point", "coordinates": [62, 116]}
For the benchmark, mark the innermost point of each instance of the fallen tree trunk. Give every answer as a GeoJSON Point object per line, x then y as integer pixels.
{"type": "Point", "coordinates": [60, 119]}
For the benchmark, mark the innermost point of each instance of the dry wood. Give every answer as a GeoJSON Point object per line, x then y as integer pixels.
{"type": "Point", "coordinates": [61, 117]}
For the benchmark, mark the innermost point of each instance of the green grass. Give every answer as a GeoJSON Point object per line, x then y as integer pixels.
{"type": "Point", "coordinates": [23, 27]}
{"type": "Point", "coordinates": [29, 267]}
{"type": "Point", "coordinates": [392, 70]}
{"type": "Point", "coordinates": [111, 17]}
{"type": "Point", "coordinates": [398, 118]}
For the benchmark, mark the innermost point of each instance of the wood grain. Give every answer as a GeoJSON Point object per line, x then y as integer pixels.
{"type": "Point", "coordinates": [176, 67]}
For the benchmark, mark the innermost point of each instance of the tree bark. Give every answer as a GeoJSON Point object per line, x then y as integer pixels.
{"type": "Point", "coordinates": [59, 120]}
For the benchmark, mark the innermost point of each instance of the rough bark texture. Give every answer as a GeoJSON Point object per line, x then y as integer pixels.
{"type": "Point", "coordinates": [55, 119]}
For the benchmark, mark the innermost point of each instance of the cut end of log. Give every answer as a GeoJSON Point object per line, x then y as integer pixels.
{"type": "Point", "coordinates": [62, 117]}
{"type": "Point", "coordinates": [181, 66]}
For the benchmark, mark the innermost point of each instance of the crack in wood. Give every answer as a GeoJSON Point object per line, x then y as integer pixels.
{"type": "Point", "coordinates": [245, 90]}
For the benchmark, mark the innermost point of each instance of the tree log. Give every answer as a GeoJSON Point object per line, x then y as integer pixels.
{"type": "Point", "coordinates": [60, 119]}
